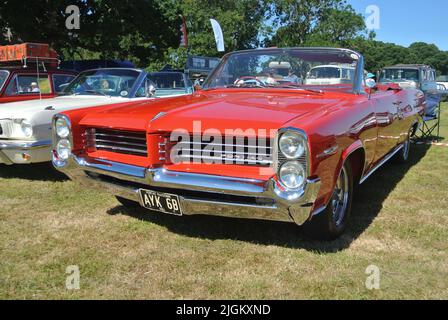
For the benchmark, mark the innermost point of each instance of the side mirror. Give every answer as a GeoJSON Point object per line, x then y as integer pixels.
{"type": "Point", "coordinates": [150, 89]}
{"type": "Point", "coordinates": [370, 83]}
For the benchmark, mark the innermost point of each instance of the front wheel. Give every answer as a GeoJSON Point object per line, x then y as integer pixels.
{"type": "Point", "coordinates": [332, 222]}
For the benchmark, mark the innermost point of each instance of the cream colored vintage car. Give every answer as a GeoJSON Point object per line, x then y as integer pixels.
{"type": "Point", "coordinates": [330, 75]}
{"type": "Point", "coordinates": [25, 127]}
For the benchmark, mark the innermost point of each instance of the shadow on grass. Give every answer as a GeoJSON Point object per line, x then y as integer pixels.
{"type": "Point", "coordinates": [368, 202]}
{"type": "Point", "coordinates": [33, 172]}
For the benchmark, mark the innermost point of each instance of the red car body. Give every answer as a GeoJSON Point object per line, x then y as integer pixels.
{"type": "Point", "coordinates": [363, 130]}
{"type": "Point", "coordinates": [17, 71]}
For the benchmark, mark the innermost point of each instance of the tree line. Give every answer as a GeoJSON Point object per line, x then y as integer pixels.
{"type": "Point", "coordinates": [148, 33]}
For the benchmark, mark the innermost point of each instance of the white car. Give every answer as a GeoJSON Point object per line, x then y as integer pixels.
{"type": "Point", "coordinates": [25, 127]}
{"type": "Point", "coordinates": [330, 75]}
{"type": "Point", "coordinates": [442, 81]}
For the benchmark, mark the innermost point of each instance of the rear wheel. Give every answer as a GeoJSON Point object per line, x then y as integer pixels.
{"type": "Point", "coordinates": [332, 222]}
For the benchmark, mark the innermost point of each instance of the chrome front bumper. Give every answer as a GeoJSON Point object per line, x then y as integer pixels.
{"type": "Point", "coordinates": [24, 151]}
{"type": "Point", "coordinates": [198, 193]}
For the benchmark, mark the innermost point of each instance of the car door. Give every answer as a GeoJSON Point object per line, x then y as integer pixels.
{"type": "Point", "coordinates": [386, 104]}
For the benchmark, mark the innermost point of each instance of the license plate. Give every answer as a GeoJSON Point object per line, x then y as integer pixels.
{"type": "Point", "coordinates": [163, 202]}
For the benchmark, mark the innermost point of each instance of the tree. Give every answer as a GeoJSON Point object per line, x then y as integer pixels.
{"type": "Point", "coordinates": [313, 22]}
{"type": "Point", "coordinates": [240, 20]}
{"type": "Point", "coordinates": [140, 30]}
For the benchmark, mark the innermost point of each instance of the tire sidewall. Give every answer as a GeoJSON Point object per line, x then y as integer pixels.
{"type": "Point", "coordinates": [337, 230]}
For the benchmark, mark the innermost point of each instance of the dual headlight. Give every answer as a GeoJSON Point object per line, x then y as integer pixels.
{"type": "Point", "coordinates": [63, 147]}
{"type": "Point", "coordinates": [292, 171]}
{"type": "Point", "coordinates": [19, 129]}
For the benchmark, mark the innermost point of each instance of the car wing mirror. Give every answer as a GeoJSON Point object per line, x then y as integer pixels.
{"type": "Point", "coordinates": [371, 85]}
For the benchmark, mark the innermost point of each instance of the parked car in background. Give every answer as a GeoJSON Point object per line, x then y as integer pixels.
{"type": "Point", "coordinates": [415, 76]}
{"type": "Point", "coordinates": [243, 148]}
{"type": "Point", "coordinates": [30, 71]}
{"type": "Point", "coordinates": [443, 81]}
{"type": "Point", "coordinates": [25, 127]}
{"type": "Point", "coordinates": [19, 84]}
{"type": "Point", "coordinates": [330, 74]}
{"type": "Point", "coordinates": [171, 83]}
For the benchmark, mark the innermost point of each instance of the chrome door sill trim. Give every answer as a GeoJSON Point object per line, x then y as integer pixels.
{"type": "Point", "coordinates": [380, 164]}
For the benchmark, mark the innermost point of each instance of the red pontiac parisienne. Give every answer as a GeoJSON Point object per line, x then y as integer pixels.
{"type": "Point", "coordinates": [258, 141]}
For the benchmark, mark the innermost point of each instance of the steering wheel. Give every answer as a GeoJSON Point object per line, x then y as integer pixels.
{"type": "Point", "coordinates": [248, 81]}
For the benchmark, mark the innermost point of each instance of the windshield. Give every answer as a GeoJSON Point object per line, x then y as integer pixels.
{"type": "Point", "coordinates": [3, 76]}
{"type": "Point", "coordinates": [397, 75]}
{"type": "Point", "coordinates": [108, 82]}
{"type": "Point", "coordinates": [168, 80]}
{"type": "Point", "coordinates": [286, 68]}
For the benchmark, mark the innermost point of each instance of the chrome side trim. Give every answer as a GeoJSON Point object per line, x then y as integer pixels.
{"type": "Point", "coordinates": [377, 166]}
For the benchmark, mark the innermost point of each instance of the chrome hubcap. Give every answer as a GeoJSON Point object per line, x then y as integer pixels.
{"type": "Point", "coordinates": [340, 198]}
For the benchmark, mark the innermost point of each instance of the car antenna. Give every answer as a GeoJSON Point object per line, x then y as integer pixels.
{"type": "Point", "coordinates": [38, 77]}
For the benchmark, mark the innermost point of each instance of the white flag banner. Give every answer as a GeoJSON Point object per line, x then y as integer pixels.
{"type": "Point", "coordinates": [219, 38]}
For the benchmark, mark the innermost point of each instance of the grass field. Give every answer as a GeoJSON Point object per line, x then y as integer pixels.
{"type": "Point", "coordinates": [48, 223]}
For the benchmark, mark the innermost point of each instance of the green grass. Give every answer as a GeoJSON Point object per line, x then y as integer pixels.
{"type": "Point", "coordinates": [400, 224]}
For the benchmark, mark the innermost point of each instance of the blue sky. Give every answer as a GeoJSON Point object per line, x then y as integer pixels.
{"type": "Point", "coordinates": [404, 22]}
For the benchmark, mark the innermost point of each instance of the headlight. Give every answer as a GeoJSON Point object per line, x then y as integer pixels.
{"type": "Point", "coordinates": [292, 175]}
{"type": "Point", "coordinates": [27, 129]}
{"type": "Point", "coordinates": [292, 145]}
{"type": "Point", "coordinates": [62, 128]}
{"type": "Point", "coordinates": [63, 149]}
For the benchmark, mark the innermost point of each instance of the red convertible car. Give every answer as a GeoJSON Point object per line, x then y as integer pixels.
{"type": "Point", "coordinates": [251, 143]}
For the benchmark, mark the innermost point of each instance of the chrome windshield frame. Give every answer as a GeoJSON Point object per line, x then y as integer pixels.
{"type": "Point", "coordinates": [357, 85]}
{"type": "Point", "coordinates": [131, 94]}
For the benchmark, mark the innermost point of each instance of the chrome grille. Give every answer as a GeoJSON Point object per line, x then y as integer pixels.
{"type": "Point", "coordinates": [6, 128]}
{"type": "Point", "coordinates": [119, 141]}
{"type": "Point", "coordinates": [241, 151]}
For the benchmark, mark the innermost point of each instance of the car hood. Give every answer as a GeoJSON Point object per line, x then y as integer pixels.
{"type": "Point", "coordinates": [26, 109]}
{"type": "Point", "coordinates": [252, 109]}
